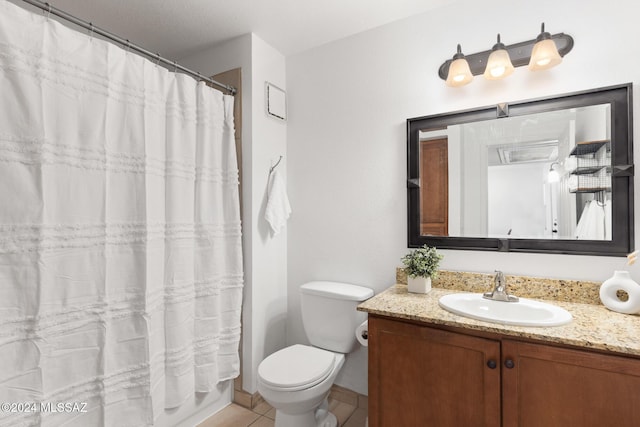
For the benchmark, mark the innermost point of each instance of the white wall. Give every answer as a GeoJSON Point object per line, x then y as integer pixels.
{"type": "Point", "coordinates": [475, 184]}
{"type": "Point", "coordinates": [593, 124]}
{"type": "Point", "coordinates": [516, 200]}
{"type": "Point", "coordinates": [264, 139]}
{"type": "Point", "coordinates": [269, 265]}
{"type": "Point", "coordinates": [349, 101]}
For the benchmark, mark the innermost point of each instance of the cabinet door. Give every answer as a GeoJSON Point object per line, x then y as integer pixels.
{"type": "Point", "coordinates": [550, 386]}
{"type": "Point", "coordinates": [421, 377]}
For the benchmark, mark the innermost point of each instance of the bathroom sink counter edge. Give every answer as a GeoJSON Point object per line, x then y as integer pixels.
{"type": "Point", "coordinates": [593, 326]}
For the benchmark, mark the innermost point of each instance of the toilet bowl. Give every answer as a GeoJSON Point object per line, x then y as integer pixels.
{"type": "Point", "coordinates": [297, 379]}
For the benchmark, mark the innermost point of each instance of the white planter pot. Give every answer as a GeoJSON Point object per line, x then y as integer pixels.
{"type": "Point", "coordinates": [419, 285]}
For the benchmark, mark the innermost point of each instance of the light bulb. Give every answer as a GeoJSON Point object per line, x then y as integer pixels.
{"type": "Point", "coordinates": [499, 63]}
{"type": "Point", "coordinates": [498, 71]}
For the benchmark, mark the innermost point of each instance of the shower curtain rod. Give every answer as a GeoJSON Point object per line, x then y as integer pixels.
{"type": "Point", "coordinates": [156, 56]}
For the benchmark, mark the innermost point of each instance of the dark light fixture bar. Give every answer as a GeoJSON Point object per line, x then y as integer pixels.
{"type": "Point", "coordinates": [520, 54]}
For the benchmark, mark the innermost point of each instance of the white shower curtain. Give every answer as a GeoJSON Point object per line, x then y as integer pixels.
{"type": "Point", "coordinates": [120, 240]}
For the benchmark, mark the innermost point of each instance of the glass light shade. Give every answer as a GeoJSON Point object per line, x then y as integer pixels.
{"type": "Point", "coordinates": [498, 65]}
{"type": "Point", "coordinates": [554, 173]}
{"type": "Point", "coordinates": [459, 73]}
{"type": "Point", "coordinates": [544, 56]}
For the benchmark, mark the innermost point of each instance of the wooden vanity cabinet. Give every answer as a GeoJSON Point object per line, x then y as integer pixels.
{"type": "Point", "coordinates": [426, 376]}
{"type": "Point", "coordinates": [421, 377]}
{"type": "Point", "coordinates": [552, 386]}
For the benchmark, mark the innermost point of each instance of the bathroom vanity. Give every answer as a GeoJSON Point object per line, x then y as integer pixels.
{"type": "Point", "coordinates": [429, 367]}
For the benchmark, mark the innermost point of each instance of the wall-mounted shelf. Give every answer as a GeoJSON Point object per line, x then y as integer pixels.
{"type": "Point", "coordinates": [589, 147]}
{"type": "Point", "coordinates": [592, 173]}
{"type": "Point", "coordinates": [589, 170]}
{"type": "Point", "coordinates": [590, 190]}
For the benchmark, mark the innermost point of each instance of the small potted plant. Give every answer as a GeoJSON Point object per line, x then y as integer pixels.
{"type": "Point", "coordinates": [421, 265]}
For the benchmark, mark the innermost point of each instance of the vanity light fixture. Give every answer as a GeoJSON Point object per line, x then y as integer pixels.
{"type": "Point", "coordinates": [459, 73]}
{"type": "Point", "coordinates": [541, 53]}
{"type": "Point", "coordinates": [499, 63]}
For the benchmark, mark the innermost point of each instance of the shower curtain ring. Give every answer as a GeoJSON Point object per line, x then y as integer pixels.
{"type": "Point", "coordinates": [128, 45]}
{"type": "Point", "coordinates": [91, 30]}
{"type": "Point", "coordinates": [157, 59]}
{"type": "Point", "coordinates": [175, 66]}
{"type": "Point", "coordinates": [48, 10]}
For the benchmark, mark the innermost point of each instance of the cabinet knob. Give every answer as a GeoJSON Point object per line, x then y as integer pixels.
{"type": "Point", "coordinates": [492, 364]}
{"type": "Point", "coordinates": [509, 363]}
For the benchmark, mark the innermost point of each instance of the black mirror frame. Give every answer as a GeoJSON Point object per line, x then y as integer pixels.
{"type": "Point", "coordinates": [622, 243]}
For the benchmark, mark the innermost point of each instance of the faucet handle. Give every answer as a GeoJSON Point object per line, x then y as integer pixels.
{"type": "Point", "coordinates": [499, 292]}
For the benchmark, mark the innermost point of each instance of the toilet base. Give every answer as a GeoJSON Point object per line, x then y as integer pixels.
{"type": "Point", "coordinates": [329, 421]}
{"type": "Point", "coordinates": [288, 420]}
{"type": "Point", "coordinates": [321, 417]}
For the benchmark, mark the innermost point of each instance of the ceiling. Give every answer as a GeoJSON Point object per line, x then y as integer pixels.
{"type": "Point", "coordinates": [178, 28]}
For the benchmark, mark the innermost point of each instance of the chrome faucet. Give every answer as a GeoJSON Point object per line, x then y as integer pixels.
{"type": "Point", "coordinates": [499, 292]}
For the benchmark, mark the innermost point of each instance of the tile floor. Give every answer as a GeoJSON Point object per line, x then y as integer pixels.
{"type": "Point", "coordinates": [263, 415]}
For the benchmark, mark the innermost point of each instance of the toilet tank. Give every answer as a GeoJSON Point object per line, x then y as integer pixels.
{"type": "Point", "coordinates": [329, 314]}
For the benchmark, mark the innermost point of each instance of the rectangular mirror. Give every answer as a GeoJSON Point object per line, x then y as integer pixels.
{"type": "Point", "coordinates": [546, 175]}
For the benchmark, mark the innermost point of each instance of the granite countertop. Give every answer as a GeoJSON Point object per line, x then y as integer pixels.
{"type": "Point", "coordinates": [593, 326]}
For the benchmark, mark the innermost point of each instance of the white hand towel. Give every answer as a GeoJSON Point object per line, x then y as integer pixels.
{"type": "Point", "coordinates": [278, 208]}
{"type": "Point", "coordinates": [570, 164]}
{"type": "Point", "coordinates": [583, 226]}
{"type": "Point", "coordinates": [598, 227]}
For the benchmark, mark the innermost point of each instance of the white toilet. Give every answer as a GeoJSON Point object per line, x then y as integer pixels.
{"type": "Point", "coordinates": [296, 380]}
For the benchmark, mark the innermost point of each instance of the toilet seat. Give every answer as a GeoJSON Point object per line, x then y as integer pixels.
{"type": "Point", "coordinates": [296, 367]}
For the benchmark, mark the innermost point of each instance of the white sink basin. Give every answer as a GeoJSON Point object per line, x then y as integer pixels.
{"type": "Point", "coordinates": [525, 312]}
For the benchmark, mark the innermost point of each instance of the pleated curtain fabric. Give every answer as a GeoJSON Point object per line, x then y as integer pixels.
{"type": "Point", "coordinates": [120, 239]}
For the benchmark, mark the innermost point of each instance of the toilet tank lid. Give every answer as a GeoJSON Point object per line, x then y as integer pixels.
{"type": "Point", "coordinates": [337, 290]}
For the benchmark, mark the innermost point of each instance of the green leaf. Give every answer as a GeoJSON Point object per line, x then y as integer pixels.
{"type": "Point", "coordinates": [422, 262]}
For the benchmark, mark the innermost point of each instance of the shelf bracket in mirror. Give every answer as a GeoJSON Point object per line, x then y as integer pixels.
{"type": "Point", "coordinates": [413, 183]}
{"type": "Point", "coordinates": [623, 170]}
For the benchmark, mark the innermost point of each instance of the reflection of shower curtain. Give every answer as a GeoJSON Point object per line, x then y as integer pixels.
{"type": "Point", "coordinates": [120, 246]}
